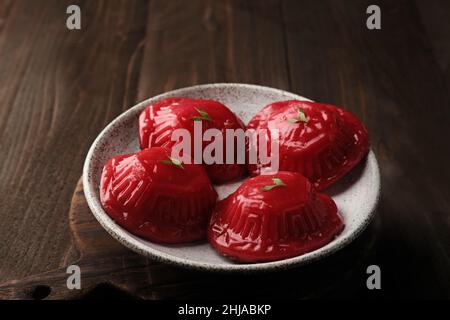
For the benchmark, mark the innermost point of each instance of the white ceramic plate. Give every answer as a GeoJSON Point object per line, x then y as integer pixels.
{"type": "Point", "coordinates": [356, 195]}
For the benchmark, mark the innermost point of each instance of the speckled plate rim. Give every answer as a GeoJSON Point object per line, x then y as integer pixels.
{"type": "Point", "coordinates": [127, 239]}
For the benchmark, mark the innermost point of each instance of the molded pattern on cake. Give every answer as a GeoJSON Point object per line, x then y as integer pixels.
{"type": "Point", "coordinates": [155, 199]}
{"type": "Point", "coordinates": [324, 147]}
{"type": "Point", "coordinates": [255, 225]}
{"type": "Point", "coordinates": [158, 121]}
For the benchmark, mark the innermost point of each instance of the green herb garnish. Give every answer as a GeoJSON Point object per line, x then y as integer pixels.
{"type": "Point", "coordinates": [203, 115]}
{"type": "Point", "coordinates": [177, 163]}
{"type": "Point", "coordinates": [277, 183]}
{"type": "Point", "coordinates": [301, 117]}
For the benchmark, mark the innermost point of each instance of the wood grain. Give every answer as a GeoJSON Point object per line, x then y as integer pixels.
{"type": "Point", "coordinates": [390, 79]}
{"type": "Point", "coordinates": [102, 260]}
{"type": "Point", "coordinates": [59, 88]}
{"type": "Point", "coordinates": [213, 41]}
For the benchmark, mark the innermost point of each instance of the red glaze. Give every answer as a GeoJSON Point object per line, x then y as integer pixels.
{"type": "Point", "coordinates": [324, 149]}
{"type": "Point", "coordinates": [255, 225]}
{"type": "Point", "coordinates": [157, 201]}
{"type": "Point", "coordinates": [157, 122]}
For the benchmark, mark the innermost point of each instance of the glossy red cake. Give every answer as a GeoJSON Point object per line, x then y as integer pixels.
{"type": "Point", "coordinates": [320, 141]}
{"type": "Point", "coordinates": [159, 120]}
{"type": "Point", "coordinates": [272, 217]}
{"type": "Point", "coordinates": [157, 197]}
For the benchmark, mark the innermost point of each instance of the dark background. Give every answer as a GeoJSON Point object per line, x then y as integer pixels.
{"type": "Point", "coordinates": [59, 88]}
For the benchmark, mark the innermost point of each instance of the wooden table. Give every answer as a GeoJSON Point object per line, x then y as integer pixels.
{"type": "Point", "coordinates": [59, 88]}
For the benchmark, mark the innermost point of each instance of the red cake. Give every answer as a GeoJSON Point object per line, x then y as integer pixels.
{"type": "Point", "coordinates": [157, 197]}
{"type": "Point", "coordinates": [158, 121]}
{"type": "Point", "coordinates": [272, 217]}
{"type": "Point", "coordinates": [320, 141]}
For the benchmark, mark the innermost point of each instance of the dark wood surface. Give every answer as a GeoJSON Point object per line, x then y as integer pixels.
{"type": "Point", "coordinates": [59, 88]}
{"type": "Point", "coordinates": [111, 270]}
